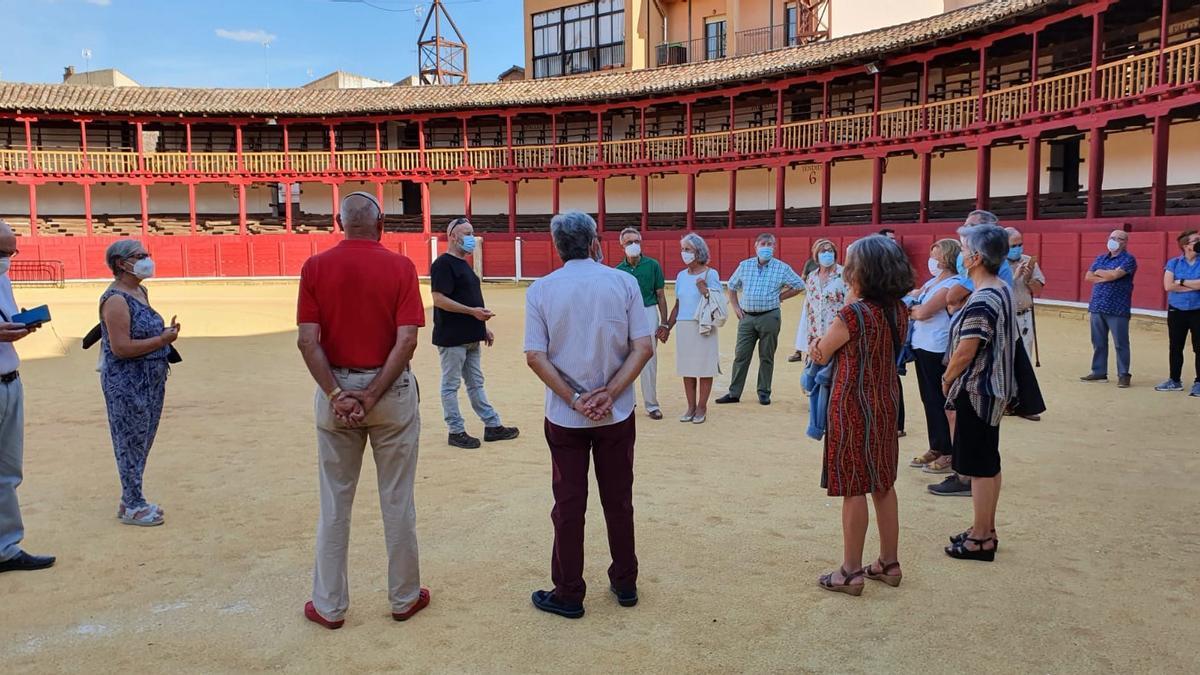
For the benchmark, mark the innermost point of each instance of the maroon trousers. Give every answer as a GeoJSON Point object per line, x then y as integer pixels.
{"type": "Point", "coordinates": [570, 453]}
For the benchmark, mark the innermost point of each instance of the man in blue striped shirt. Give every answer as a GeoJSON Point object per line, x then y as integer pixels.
{"type": "Point", "coordinates": [764, 282]}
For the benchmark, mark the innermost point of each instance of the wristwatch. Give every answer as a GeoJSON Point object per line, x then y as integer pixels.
{"type": "Point", "coordinates": [337, 391]}
{"type": "Point", "coordinates": [575, 398]}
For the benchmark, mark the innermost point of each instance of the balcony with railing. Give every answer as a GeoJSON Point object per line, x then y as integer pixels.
{"type": "Point", "coordinates": [1118, 80]}
{"type": "Point", "coordinates": [741, 43]}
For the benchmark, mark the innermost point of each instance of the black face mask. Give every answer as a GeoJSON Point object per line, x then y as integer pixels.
{"type": "Point", "coordinates": [1196, 247]}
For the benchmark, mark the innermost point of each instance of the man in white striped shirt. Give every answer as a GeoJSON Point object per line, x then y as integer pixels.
{"type": "Point", "coordinates": [587, 338]}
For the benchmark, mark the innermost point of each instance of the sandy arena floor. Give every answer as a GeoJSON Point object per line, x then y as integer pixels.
{"type": "Point", "coordinates": [1097, 572]}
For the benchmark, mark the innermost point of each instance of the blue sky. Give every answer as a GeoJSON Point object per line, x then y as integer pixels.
{"type": "Point", "coordinates": [218, 43]}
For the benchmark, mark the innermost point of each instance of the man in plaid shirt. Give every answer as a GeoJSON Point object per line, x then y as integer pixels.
{"type": "Point", "coordinates": [764, 283]}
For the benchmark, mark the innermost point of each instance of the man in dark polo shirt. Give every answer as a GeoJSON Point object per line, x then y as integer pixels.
{"type": "Point", "coordinates": [459, 326]}
{"type": "Point", "coordinates": [652, 284]}
{"type": "Point", "coordinates": [358, 313]}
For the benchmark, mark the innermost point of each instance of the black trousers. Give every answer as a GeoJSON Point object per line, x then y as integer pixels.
{"type": "Point", "coordinates": [1179, 323]}
{"type": "Point", "coordinates": [929, 381]}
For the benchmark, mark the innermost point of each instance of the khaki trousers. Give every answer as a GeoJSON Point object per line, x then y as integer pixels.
{"type": "Point", "coordinates": [649, 377]}
{"type": "Point", "coordinates": [393, 426]}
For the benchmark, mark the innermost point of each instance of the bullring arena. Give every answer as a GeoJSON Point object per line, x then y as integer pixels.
{"type": "Point", "coordinates": [732, 526]}
{"type": "Point", "coordinates": [1068, 119]}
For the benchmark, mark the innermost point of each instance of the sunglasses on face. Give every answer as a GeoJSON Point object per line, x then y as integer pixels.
{"type": "Point", "coordinates": [9, 254]}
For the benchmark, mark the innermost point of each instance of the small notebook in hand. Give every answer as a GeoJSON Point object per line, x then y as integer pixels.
{"type": "Point", "coordinates": [30, 317]}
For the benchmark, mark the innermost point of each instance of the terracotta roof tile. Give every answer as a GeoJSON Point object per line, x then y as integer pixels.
{"type": "Point", "coordinates": [557, 91]}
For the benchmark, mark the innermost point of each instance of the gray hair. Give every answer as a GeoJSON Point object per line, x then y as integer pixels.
{"type": "Point", "coordinates": [765, 236]}
{"type": "Point", "coordinates": [981, 217]}
{"type": "Point", "coordinates": [120, 250]}
{"type": "Point", "coordinates": [573, 234]}
{"type": "Point", "coordinates": [989, 241]}
{"type": "Point", "coordinates": [361, 212]}
{"type": "Point", "coordinates": [629, 230]}
{"type": "Point", "coordinates": [699, 244]}
{"type": "Point", "coordinates": [455, 223]}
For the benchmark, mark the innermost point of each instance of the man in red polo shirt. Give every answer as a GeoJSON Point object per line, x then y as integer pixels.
{"type": "Point", "coordinates": [359, 311]}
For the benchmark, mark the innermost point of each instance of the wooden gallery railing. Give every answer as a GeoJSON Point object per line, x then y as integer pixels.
{"type": "Point", "coordinates": [1121, 79]}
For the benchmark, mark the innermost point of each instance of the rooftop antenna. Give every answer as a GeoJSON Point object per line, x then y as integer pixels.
{"type": "Point", "coordinates": [440, 59]}
{"type": "Point", "coordinates": [87, 64]}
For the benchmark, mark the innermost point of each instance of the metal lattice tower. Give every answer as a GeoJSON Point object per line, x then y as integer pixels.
{"type": "Point", "coordinates": [815, 20]}
{"type": "Point", "coordinates": [440, 59]}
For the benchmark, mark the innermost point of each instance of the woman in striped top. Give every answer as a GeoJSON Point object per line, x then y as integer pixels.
{"type": "Point", "coordinates": [979, 382]}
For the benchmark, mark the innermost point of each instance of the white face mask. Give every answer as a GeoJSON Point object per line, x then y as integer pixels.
{"type": "Point", "coordinates": [4, 265]}
{"type": "Point", "coordinates": [688, 257]}
{"type": "Point", "coordinates": [144, 268]}
{"type": "Point", "coordinates": [633, 250]}
{"type": "Point", "coordinates": [934, 268]}
{"type": "Point", "coordinates": [1114, 245]}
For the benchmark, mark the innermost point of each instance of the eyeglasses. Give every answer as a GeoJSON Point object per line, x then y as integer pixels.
{"type": "Point", "coordinates": [9, 254]}
{"type": "Point", "coordinates": [138, 256]}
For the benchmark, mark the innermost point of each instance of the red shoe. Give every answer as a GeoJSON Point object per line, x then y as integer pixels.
{"type": "Point", "coordinates": [312, 615]}
{"type": "Point", "coordinates": [422, 603]}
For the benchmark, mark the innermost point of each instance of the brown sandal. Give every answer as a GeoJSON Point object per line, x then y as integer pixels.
{"type": "Point", "coordinates": [826, 581]}
{"type": "Point", "coordinates": [925, 459]}
{"type": "Point", "coordinates": [891, 579]}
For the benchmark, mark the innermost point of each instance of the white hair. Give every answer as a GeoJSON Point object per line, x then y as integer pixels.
{"type": "Point", "coordinates": [355, 213]}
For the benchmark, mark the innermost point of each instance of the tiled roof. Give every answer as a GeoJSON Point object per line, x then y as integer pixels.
{"type": "Point", "coordinates": [556, 91]}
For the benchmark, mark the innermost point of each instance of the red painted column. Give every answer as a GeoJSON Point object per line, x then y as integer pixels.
{"type": "Point", "coordinates": [926, 174]}
{"type": "Point", "coordinates": [466, 156]}
{"type": "Point", "coordinates": [192, 207]}
{"type": "Point", "coordinates": [877, 190]}
{"type": "Point", "coordinates": [426, 225]}
{"type": "Point", "coordinates": [645, 180]}
{"type": "Point", "coordinates": [600, 205]}
{"type": "Point", "coordinates": [83, 144]}
{"type": "Point", "coordinates": [691, 202]}
{"type": "Point", "coordinates": [876, 102]}
{"type": "Point", "coordinates": [508, 140]}
{"type": "Point", "coordinates": [688, 130]}
{"type": "Point", "coordinates": [980, 107]}
{"type": "Point", "coordinates": [1158, 163]}
{"type": "Point", "coordinates": [733, 198]}
{"type": "Point", "coordinates": [983, 176]}
{"type": "Point", "coordinates": [191, 164]}
{"type": "Point", "coordinates": [87, 209]}
{"type": "Point", "coordinates": [1034, 104]}
{"type": "Point", "coordinates": [241, 208]}
{"type": "Point", "coordinates": [1163, 29]}
{"type": "Point", "coordinates": [237, 138]}
{"type": "Point", "coordinates": [379, 198]}
{"type": "Point", "coordinates": [332, 148]}
{"type": "Point", "coordinates": [467, 199]}
{"type": "Point", "coordinates": [28, 143]}
{"type": "Point", "coordinates": [731, 149]}
{"type": "Point", "coordinates": [600, 137]}
{"type": "Point", "coordinates": [1033, 177]}
{"type": "Point", "coordinates": [287, 208]}
{"type": "Point", "coordinates": [554, 188]}
{"type": "Point", "coordinates": [512, 207]}
{"type": "Point", "coordinates": [145, 200]}
{"type": "Point", "coordinates": [924, 95]}
{"type": "Point", "coordinates": [1095, 173]}
{"type": "Point", "coordinates": [140, 149]}
{"type": "Point", "coordinates": [421, 160]}
{"type": "Point", "coordinates": [287, 153]}
{"type": "Point", "coordinates": [1097, 52]}
{"type": "Point", "coordinates": [826, 170]}
{"type": "Point", "coordinates": [779, 118]}
{"type": "Point", "coordinates": [780, 201]}
{"type": "Point", "coordinates": [334, 190]}
{"type": "Point", "coordinates": [554, 141]}
{"type": "Point", "coordinates": [33, 227]}
{"type": "Point", "coordinates": [378, 152]}
{"type": "Point", "coordinates": [642, 136]}
{"type": "Point", "coordinates": [826, 102]}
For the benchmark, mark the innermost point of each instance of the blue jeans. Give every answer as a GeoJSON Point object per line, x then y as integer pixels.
{"type": "Point", "coordinates": [459, 364]}
{"type": "Point", "coordinates": [1102, 325]}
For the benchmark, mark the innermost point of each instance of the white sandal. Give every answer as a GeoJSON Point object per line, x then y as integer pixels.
{"type": "Point", "coordinates": [149, 516]}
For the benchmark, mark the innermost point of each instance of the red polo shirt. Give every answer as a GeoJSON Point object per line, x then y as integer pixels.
{"type": "Point", "coordinates": [359, 293]}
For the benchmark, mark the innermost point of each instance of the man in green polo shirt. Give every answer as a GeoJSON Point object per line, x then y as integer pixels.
{"type": "Point", "coordinates": [649, 275]}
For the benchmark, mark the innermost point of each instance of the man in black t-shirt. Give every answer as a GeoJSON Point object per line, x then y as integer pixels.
{"type": "Point", "coordinates": [459, 325]}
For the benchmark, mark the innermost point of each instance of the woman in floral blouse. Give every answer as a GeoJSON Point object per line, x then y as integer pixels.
{"type": "Point", "coordinates": [824, 297]}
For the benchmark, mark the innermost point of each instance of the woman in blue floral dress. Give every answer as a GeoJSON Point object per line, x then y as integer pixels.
{"type": "Point", "coordinates": [133, 373]}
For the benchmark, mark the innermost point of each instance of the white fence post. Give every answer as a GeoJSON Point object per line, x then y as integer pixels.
{"type": "Point", "coordinates": [433, 249]}
{"type": "Point", "coordinates": [517, 245]}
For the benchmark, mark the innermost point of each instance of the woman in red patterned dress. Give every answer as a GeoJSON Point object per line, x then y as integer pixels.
{"type": "Point", "coordinates": [861, 446]}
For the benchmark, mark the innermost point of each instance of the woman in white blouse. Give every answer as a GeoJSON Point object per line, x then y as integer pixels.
{"type": "Point", "coordinates": [696, 355]}
{"type": "Point", "coordinates": [824, 297]}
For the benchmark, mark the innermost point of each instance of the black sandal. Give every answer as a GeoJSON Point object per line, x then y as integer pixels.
{"type": "Point", "coordinates": [826, 581]}
{"type": "Point", "coordinates": [962, 536]}
{"type": "Point", "coordinates": [960, 550]}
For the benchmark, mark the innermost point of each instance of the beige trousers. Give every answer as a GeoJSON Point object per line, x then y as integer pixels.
{"type": "Point", "coordinates": [649, 376]}
{"type": "Point", "coordinates": [393, 426]}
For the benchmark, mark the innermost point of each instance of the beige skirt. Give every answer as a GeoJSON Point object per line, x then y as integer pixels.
{"type": "Point", "coordinates": [695, 355]}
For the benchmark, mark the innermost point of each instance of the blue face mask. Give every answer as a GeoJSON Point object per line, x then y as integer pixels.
{"type": "Point", "coordinates": [765, 253]}
{"type": "Point", "coordinates": [1014, 252]}
{"type": "Point", "coordinates": [958, 263]}
{"type": "Point", "coordinates": [826, 258]}
{"type": "Point", "coordinates": [468, 244]}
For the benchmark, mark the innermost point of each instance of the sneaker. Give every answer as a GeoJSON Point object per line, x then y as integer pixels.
{"type": "Point", "coordinates": [1170, 385]}
{"type": "Point", "coordinates": [953, 486]}
{"type": "Point", "coordinates": [1195, 390]}
{"type": "Point", "coordinates": [1124, 381]}
{"type": "Point", "coordinates": [545, 601]}
{"type": "Point", "coordinates": [463, 440]}
{"type": "Point", "coordinates": [491, 434]}
{"type": "Point", "coordinates": [1093, 377]}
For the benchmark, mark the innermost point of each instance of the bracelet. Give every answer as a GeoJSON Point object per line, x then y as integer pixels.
{"type": "Point", "coordinates": [663, 325]}
{"type": "Point", "coordinates": [337, 391]}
